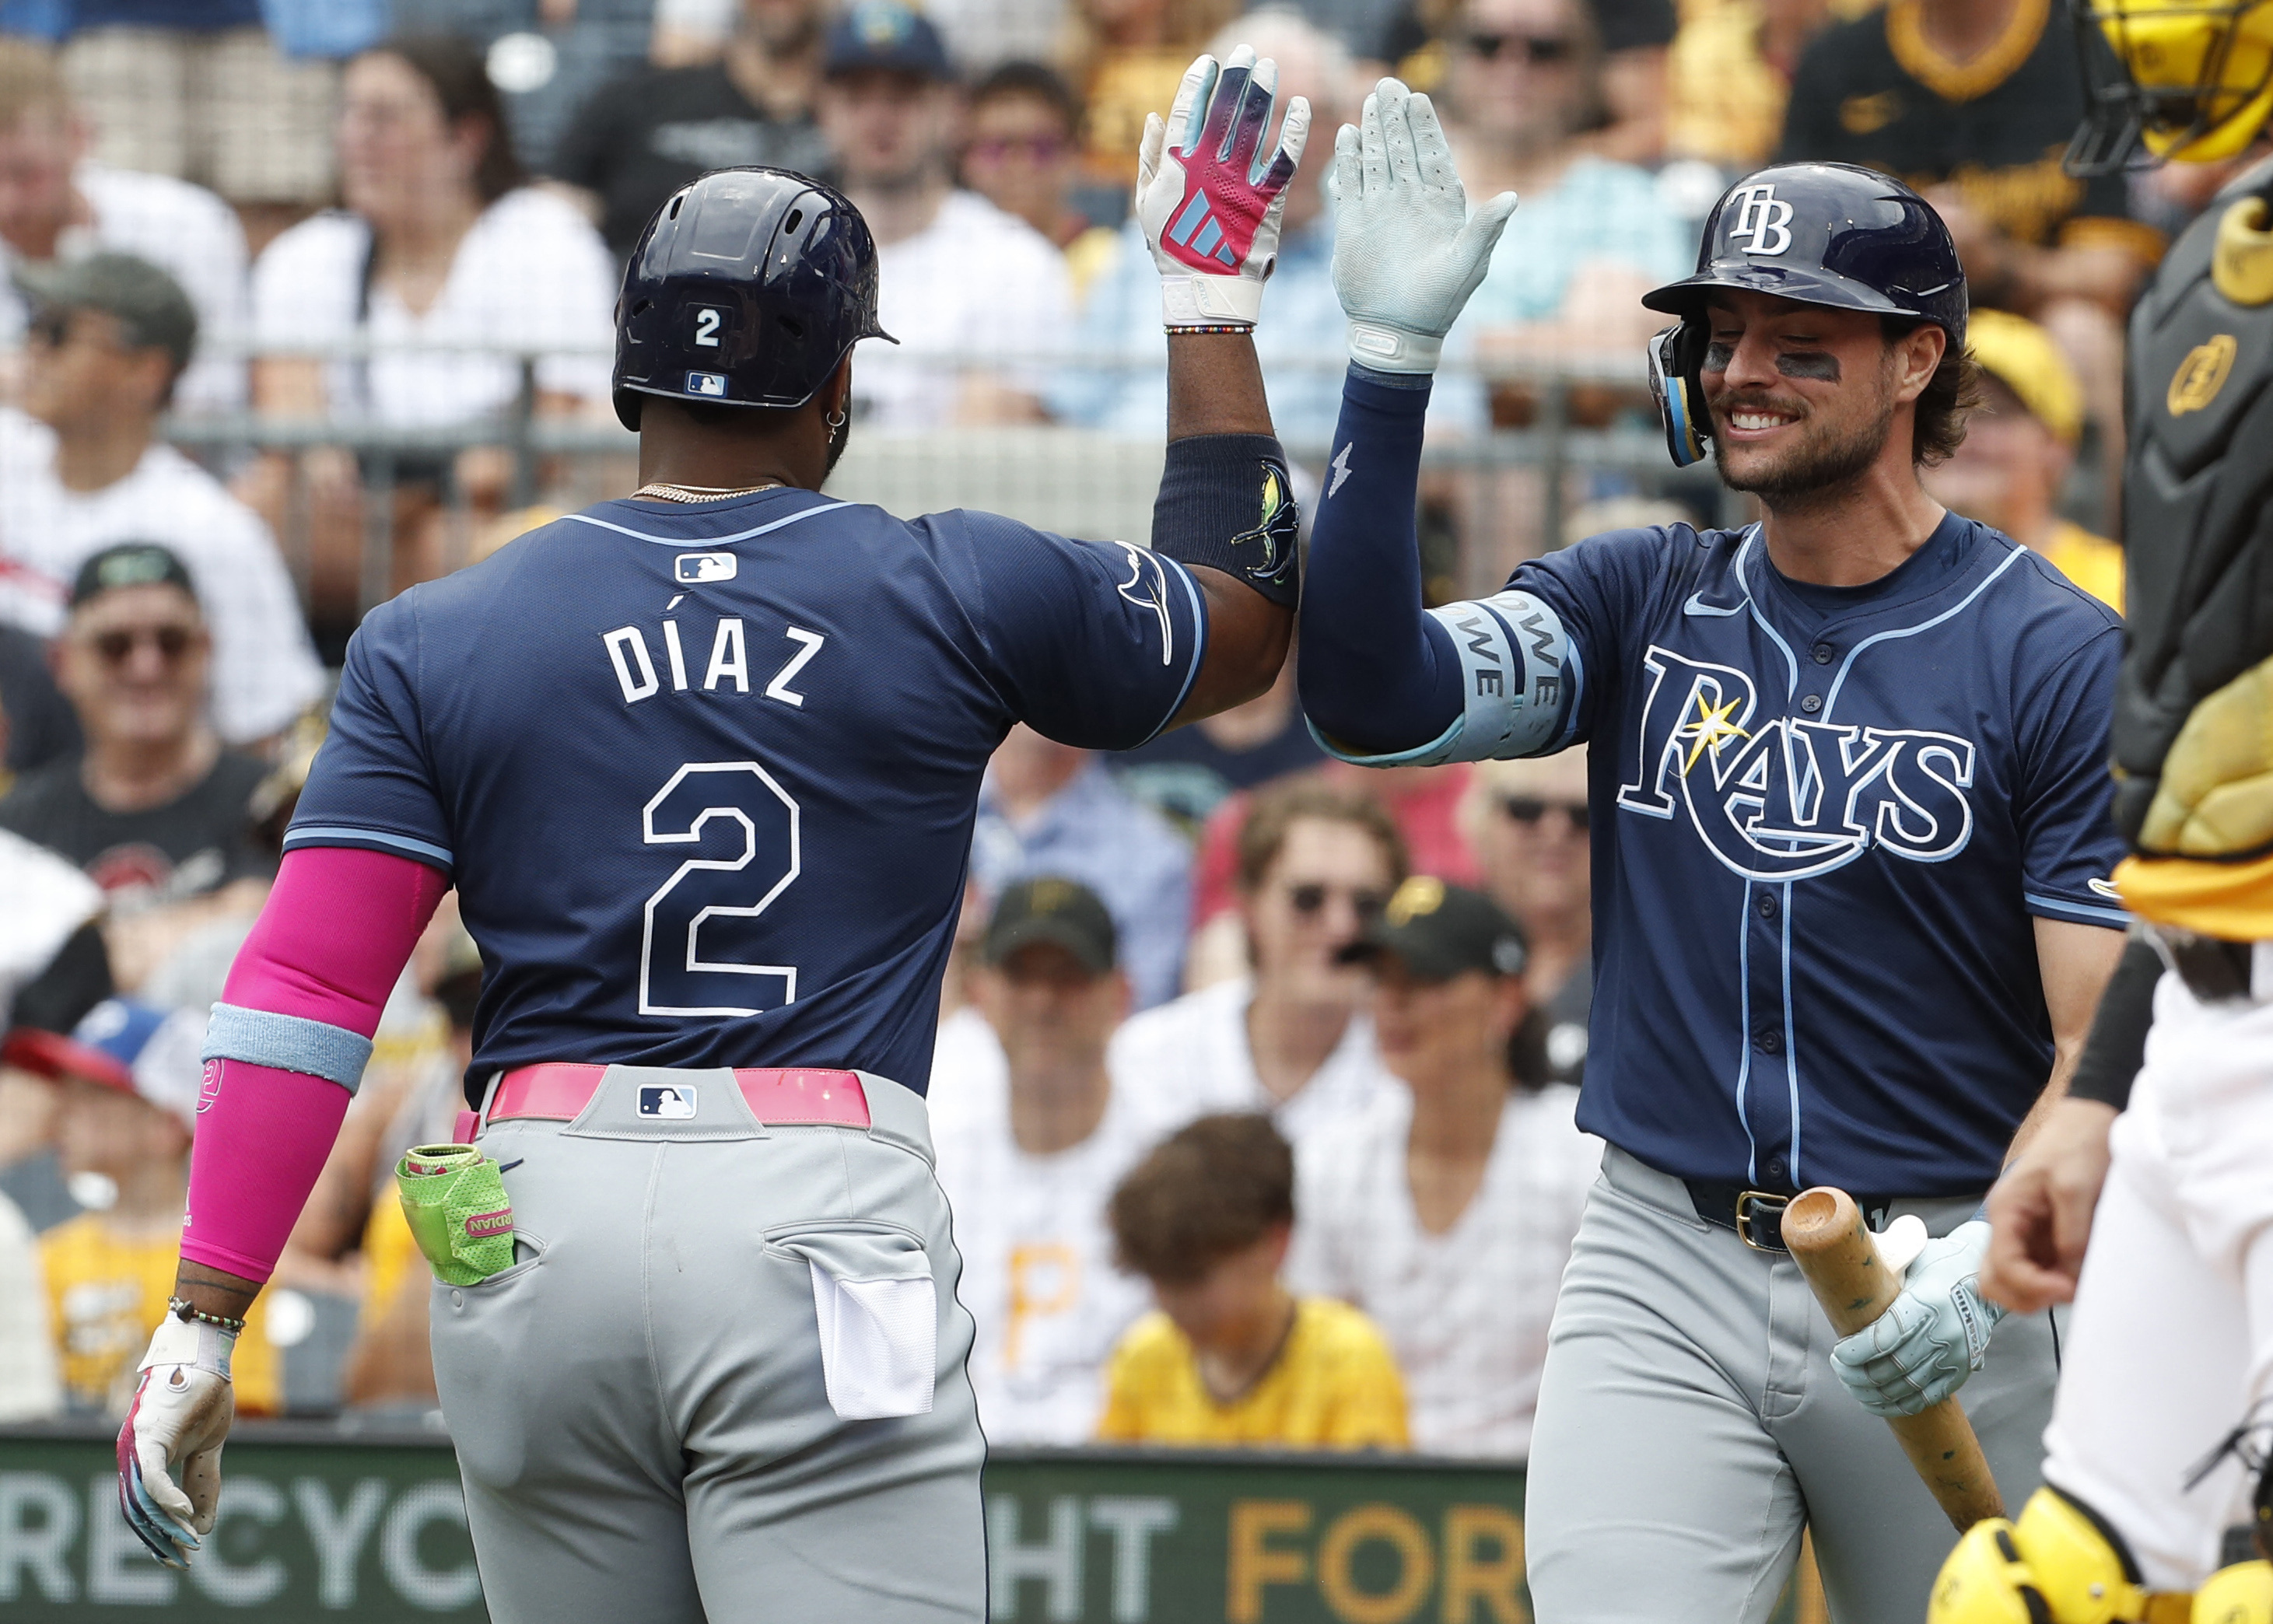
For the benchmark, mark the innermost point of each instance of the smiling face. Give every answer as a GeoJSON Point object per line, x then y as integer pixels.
{"type": "Point", "coordinates": [1806, 398]}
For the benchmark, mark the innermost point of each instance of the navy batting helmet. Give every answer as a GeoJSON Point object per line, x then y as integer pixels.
{"type": "Point", "coordinates": [747, 288]}
{"type": "Point", "coordinates": [1830, 233]}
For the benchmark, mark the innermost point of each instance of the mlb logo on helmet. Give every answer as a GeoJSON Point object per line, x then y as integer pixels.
{"type": "Point", "coordinates": [694, 569]}
{"type": "Point", "coordinates": [715, 383]}
{"type": "Point", "coordinates": [666, 1101]}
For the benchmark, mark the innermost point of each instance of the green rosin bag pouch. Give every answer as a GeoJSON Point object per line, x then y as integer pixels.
{"type": "Point", "coordinates": [458, 1211]}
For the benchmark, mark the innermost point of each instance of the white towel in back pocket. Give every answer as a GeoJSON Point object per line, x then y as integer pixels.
{"type": "Point", "coordinates": [878, 1311]}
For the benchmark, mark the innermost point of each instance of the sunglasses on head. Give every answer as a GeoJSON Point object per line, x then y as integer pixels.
{"type": "Point", "coordinates": [1529, 809]}
{"type": "Point", "coordinates": [1310, 900]}
{"type": "Point", "coordinates": [1539, 49]}
{"type": "Point", "coordinates": [117, 646]}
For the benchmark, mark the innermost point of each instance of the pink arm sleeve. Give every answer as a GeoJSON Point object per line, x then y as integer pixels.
{"type": "Point", "coordinates": [336, 932]}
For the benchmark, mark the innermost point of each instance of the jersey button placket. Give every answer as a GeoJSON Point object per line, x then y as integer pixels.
{"type": "Point", "coordinates": [1822, 653]}
{"type": "Point", "coordinates": [1813, 703]}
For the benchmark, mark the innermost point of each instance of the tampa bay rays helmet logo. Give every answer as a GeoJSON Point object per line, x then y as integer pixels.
{"type": "Point", "coordinates": [1277, 533]}
{"type": "Point", "coordinates": [1763, 218]}
{"type": "Point", "coordinates": [1787, 797]}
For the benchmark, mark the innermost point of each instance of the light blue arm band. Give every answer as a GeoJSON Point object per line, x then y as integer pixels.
{"type": "Point", "coordinates": [1518, 682]}
{"type": "Point", "coordinates": [288, 1042]}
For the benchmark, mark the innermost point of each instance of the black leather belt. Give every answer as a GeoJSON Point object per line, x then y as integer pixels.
{"type": "Point", "coordinates": [2216, 972]}
{"type": "Point", "coordinates": [1757, 1215]}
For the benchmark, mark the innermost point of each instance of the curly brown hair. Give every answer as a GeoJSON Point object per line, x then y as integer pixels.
{"type": "Point", "coordinates": [1215, 1186]}
{"type": "Point", "coordinates": [1953, 395]}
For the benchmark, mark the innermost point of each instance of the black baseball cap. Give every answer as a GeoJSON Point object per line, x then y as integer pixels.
{"type": "Point", "coordinates": [131, 564]}
{"type": "Point", "coordinates": [885, 36]}
{"type": "Point", "coordinates": [147, 302]}
{"type": "Point", "coordinates": [1048, 909]}
{"type": "Point", "coordinates": [1440, 931]}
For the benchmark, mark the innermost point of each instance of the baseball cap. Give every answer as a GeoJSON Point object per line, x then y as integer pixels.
{"type": "Point", "coordinates": [131, 564]}
{"type": "Point", "coordinates": [1052, 910]}
{"type": "Point", "coordinates": [2022, 355]}
{"type": "Point", "coordinates": [885, 36]}
{"type": "Point", "coordinates": [148, 304]}
{"type": "Point", "coordinates": [122, 1044]}
{"type": "Point", "coordinates": [1440, 931]}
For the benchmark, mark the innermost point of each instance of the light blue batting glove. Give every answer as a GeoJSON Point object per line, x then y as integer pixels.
{"type": "Point", "coordinates": [1932, 1336]}
{"type": "Point", "coordinates": [1407, 252]}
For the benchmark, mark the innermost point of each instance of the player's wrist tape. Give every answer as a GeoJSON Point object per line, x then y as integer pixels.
{"type": "Point", "coordinates": [1385, 349]}
{"type": "Point", "coordinates": [1201, 300]}
{"type": "Point", "coordinates": [288, 1044]}
{"type": "Point", "coordinates": [1225, 502]}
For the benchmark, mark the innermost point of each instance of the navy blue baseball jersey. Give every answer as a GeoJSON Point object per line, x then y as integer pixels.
{"type": "Point", "coordinates": [1825, 820]}
{"type": "Point", "coordinates": [704, 777]}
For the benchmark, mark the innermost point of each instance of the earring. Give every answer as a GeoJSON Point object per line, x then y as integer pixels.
{"type": "Point", "coordinates": [834, 420]}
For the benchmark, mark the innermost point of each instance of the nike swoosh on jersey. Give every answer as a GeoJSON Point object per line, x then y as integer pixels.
{"type": "Point", "coordinates": [1696, 605]}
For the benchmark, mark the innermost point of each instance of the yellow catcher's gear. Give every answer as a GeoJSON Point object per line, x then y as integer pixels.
{"type": "Point", "coordinates": [2241, 1594]}
{"type": "Point", "coordinates": [2195, 78]}
{"type": "Point", "coordinates": [2058, 1565]}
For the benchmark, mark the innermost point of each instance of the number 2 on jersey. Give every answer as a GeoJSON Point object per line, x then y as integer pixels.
{"type": "Point", "coordinates": [698, 932]}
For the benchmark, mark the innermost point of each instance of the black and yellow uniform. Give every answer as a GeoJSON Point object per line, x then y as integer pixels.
{"type": "Point", "coordinates": [2193, 768]}
{"type": "Point", "coordinates": [1875, 91]}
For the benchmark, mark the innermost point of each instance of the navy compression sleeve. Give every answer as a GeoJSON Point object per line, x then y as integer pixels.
{"type": "Point", "coordinates": [1377, 677]}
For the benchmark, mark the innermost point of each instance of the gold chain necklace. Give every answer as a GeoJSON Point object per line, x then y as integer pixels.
{"type": "Point", "coordinates": [664, 492]}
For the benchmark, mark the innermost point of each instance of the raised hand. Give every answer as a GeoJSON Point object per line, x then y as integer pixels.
{"type": "Point", "coordinates": [1208, 199]}
{"type": "Point", "coordinates": [1407, 252]}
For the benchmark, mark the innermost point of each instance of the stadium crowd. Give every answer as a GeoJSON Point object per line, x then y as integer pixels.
{"type": "Point", "coordinates": [1256, 1073]}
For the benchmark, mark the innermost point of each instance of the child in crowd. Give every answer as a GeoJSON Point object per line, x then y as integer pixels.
{"type": "Point", "coordinates": [1232, 1357]}
{"type": "Point", "coordinates": [130, 1077]}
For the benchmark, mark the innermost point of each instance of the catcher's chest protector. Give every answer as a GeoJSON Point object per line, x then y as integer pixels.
{"type": "Point", "coordinates": [2198, 496]}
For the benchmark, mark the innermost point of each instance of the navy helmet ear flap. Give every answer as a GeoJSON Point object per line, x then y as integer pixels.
{"type": "Point", "coordinates": [1676, 358]}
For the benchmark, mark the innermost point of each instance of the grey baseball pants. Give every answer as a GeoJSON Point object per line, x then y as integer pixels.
{"type": "Point", "coordinates": [1689, 1427]}
{"type": "Point", "coordinates": [653, 1407]}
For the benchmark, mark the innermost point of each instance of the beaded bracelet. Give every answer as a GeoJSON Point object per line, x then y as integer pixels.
{"type": "Point", "coordinates": [183, 1310]}
{"type": "Point", "coordinates": [1237, 326]}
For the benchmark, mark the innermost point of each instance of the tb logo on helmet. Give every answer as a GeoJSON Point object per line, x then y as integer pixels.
{"type": "Point", "coordinates": [1763, 217]}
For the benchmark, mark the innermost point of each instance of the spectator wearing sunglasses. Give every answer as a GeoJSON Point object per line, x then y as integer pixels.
{"type": "Point", "coordinates": [1316, 863]}
{"type": "Point", "coordinates": [1526, 822]}
{"type": "Point", "coordinates": [154, 808]}
{"type": "Point", "coordinates": [1021, 153]}
{"type": "Point", "coordinates": [81, 469]}
{"type": "Point", "coordinates": [1446, 1210]}
{"type": "Point", "coordinates": [1524, 82]}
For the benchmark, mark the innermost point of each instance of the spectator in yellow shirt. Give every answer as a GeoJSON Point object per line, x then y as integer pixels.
{"type": "Point", "coordinates": [2019, 448]}
{"type": "Point", "coordinates": [130, 1076]}
{"type": "Point", "coordinates": [1231, 1355]}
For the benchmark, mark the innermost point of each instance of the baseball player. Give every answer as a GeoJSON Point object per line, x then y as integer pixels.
{"type": "Point", "coordinates": [2161, 1434]}
{"type": "Point", "coordinates": [701, 765]}
{"type": "Point", "coordinates": [1846, 779]}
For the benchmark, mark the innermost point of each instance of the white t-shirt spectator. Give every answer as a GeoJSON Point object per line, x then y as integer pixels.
{"type": "Point", "coordinates": [183, 229]}
{"type": "Point", "coordinates": [977, 282]}
{"type": "Point", "coordinates": [1192, 1055]}
{"type": "Point", "coordinates": [1038, 1270]}
{"type": "Point", "coordinates": [531, 274]}
{"type": "Point", "coordinates": [265, 670]}
{"type": "Point", "coordinates": [1465, 1311]}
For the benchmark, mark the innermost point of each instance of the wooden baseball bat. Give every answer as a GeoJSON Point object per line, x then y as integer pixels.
{"type": "Point", "coordinates": [1829, 1238]}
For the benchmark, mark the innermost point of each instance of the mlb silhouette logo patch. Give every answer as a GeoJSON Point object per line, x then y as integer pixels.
{"type": "Point", "coordinates": [665, 1101]}
{"type": "Point", "coordinates": [707, 383]}
{"type": "Point", "coordinates": [694, 569]}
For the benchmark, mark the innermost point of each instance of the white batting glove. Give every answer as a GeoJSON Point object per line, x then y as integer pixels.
{"type": "Point", "coordinates": [169, 1449]}
{"type": "Point", "coordinates": [1209, 202]}
{"type": "Point", "coordinates": [1931, 1338]}
{"type": "Point", "coordinates": [1407, 252]}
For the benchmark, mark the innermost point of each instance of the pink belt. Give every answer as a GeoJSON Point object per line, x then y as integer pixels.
{"type": "Point", "coordinates": [559, 1092]}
